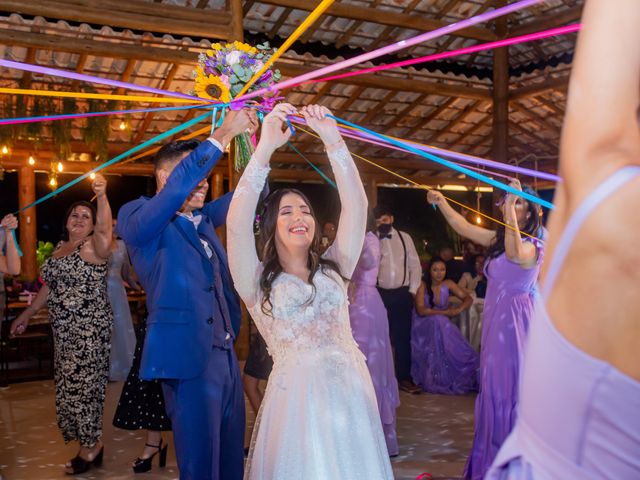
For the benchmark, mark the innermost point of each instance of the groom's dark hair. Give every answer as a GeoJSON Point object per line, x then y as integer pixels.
{"type": "Point", "coordinates": [173, 152]}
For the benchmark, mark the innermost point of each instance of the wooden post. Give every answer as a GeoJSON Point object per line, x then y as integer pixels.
{"type": "Point", "coordinates": [500, 147]}
{"type": "Point", "coordinates": [237, 28]}
{"type": "Point", "coordinates": [372, 192]}
{"type": "Point", "coordinates": [28, 244]}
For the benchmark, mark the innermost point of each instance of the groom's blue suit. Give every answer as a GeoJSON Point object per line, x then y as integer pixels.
{"type": "Point", "coordinates": [194, 315]}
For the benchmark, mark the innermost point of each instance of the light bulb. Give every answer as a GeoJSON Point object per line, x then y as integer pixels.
{"type": "Point", "coordinates": [60, 166]}
{"type": "Point", "coordinates": [5, 149]}
{"type": "Point", "coordinates": [32, 161]}
{"type": "Point", "coordinates": [92, 176]}
{"type": "Point", "coordinates": [53, 182]}
{"type": "Point", "coordinates": [478, 220]}
{"type": "Point", "coordinates": [123, 125]}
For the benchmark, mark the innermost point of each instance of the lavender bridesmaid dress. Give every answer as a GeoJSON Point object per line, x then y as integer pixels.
{"type": "Point", "coordinates": [508, 307]}
{"type": "Point", "coordinates": [370, 330]}
{"type": "Point", "coordinates": [442, 361]}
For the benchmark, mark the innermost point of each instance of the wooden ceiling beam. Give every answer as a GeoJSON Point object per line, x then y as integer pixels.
{"type": "Point", "coordinates": [531, 134]}
{"type": "Point", "coordinates": [477, 126]}
{"type": "Point", "coordinates": [457, 118]}
{"type": "Point", "coordinates": [549, 21]}
{"type": "Point", "coordinates": [371, 114]}
{"type": "Point", "coordinates": [143, 125]}
{"type": "Point", "coordinates": [170, 55]}
{"type": "Point", "coordinates": [385, 17]}
{"type": "Point", "coordinates": [214, 25]}
{"type": "Point", "coordinates": [560, 84]}
{"type": "Point", "coordinates": [276, 26]}
{"type": "Point", "coordinates": [431, 116]}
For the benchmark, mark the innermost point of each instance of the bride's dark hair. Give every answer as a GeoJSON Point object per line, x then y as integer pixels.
{"type": "Point", "coordinates": [267, 247]}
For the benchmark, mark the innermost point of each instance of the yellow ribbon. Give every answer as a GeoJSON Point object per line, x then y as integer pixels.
{"type": "Point", "coordinates": [313, 16]}
{"type": "Point", "coordinates": [427, 187]}
{"type": "Point", "coordinates": [99, 96]}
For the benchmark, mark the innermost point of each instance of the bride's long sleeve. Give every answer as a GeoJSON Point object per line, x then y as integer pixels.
{"type": "Point", "coordinates": [347, 246]}
{"type": "Point", "coordinates": [243, 258]}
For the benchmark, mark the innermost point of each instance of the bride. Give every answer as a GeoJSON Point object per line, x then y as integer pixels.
{"type": "Point", "coordinates": [319, 418]}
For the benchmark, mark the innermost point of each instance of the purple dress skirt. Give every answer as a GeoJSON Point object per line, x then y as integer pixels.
{"type": "Point", "coordinates": [508, 307]}
{"type": "Point", "coordinates": [371, 331]}
{"type": "Point", "coordinates": [442, 361]}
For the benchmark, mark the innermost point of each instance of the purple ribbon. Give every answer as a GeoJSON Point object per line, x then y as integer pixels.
{"type": "Point", "coordinates": [91, 79]}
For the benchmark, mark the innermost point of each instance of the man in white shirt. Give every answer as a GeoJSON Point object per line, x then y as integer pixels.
{"type": "Point", "coordinates": [398, 280]}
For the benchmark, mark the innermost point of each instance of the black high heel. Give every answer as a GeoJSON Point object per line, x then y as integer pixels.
{"type": "Point", "coordinates": [80, 465]}
{"type": "Point", "coordinates": [142, 465]}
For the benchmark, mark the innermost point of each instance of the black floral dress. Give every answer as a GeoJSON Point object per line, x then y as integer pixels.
{"type": "Point", "coordinates": [81, 320]}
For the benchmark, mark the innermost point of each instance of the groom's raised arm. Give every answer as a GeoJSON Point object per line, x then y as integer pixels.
{"type": "Point", "coordinates": [140, 221]}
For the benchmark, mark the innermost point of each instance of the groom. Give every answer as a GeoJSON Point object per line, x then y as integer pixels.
{"type": "Point", "coordinates": [193, 311]}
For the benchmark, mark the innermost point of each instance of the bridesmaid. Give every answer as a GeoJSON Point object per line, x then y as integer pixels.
{"type": "Point", "coordinates": [512, 267]}
{"type": "Point", "coordinates": [580, 389]}
{"type": "Point", "coordinates": [370, 329]}
{"type": "Point", "coordinates": [442, 361]}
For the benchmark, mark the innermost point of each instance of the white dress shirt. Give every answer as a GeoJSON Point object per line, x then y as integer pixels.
{"type": "Point", "coordinates": [395, 270]}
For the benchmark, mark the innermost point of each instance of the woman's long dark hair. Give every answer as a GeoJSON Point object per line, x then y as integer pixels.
{"type": "Point", "coordinates": [428, 281]}
{"type": "Point", "coordinates": [532, 227]}
{"type": "Point", "coordinates": [269, 255]}
{"type": "Point", "coordinates": [65, 233]}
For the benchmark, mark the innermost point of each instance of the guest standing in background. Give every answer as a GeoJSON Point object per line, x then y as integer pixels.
{"type": "Point", "coordinates": [398, 280]}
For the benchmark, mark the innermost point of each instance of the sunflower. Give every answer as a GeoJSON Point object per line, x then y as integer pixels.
{"type": "Point", "coordinates": [211, 87]}
{"type": "Point", "coordinates": [244, 47]}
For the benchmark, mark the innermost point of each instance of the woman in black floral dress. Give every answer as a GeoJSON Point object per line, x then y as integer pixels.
{"type": "Point", "coordinates": [75, 293]}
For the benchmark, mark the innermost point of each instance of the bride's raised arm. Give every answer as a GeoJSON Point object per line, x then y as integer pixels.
{"type": "Point", "coordinates": [243, 258]}
{"type": "Point", "coordinates": [347, 247]}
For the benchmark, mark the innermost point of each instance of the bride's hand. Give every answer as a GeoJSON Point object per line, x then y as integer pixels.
{"type": "Point", "coordinates": [274, 132]}
{"type": "Point", "coordinates": [325, 127]}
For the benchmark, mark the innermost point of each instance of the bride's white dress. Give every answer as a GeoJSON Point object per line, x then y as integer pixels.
{"type": "Point", "coordinates": [319, 418]}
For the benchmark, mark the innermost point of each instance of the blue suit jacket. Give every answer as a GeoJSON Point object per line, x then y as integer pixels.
{"type": "Point", "coordinates": [174, 270]}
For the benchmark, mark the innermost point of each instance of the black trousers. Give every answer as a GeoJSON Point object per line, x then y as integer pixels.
{"type": "Point", "coordinates": [399, 305]}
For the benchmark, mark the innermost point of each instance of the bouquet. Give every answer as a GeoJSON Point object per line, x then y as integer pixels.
{"type": "Point", "coordinates": [221, 74]}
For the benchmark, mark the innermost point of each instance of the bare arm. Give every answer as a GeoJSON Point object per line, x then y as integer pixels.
{"type": "Point", "coordinates": [102, 233]}
{"type": "Point", "coordinates": [479, 235]}
{"type": "Point", "coordinates": [346, 249]}
{"type": "Point", "coordinates": [600, 132]}
{"type": "Point", "coordinates": [243, 258]}
{"type": "Point", "coordinates": [462, 295]}
{"type": "Point", "coordinates": [19, 325]}
{"type": "Point", "coordinates": [517, 251]}
{"type": "Point", "coordinates": [11, 262]}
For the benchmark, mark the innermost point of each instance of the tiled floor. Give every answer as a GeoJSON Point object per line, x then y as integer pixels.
{"type": "Point", "coordinates": [435, 434]}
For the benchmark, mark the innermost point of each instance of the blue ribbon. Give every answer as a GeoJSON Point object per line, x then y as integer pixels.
{"type": "Point", "coordinates": [15, 241]}
{"type": "Point", "coordinates": [322, 174]}
{"type": "Point", "coordinates": [108, 163]}
{"type": "Point", "coordinates": [45, 118]}
{"type": "Point", "coordinates": [447, 163]}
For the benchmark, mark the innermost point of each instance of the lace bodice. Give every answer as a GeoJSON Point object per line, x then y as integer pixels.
{"type": "Point", "coordinates": [299, 325]}
{"type": "Point", "coordinates": [298, 322]}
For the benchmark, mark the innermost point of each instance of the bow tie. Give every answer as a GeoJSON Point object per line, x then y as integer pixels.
{"type": "Point", "coordinates": [388, 235]}
{"type": "Point", "coordinates": [195, 219]}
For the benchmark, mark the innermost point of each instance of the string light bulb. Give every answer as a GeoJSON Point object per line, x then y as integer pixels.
{"type": "Point", "coordinates": [92, 176]}
{"type": "Point", "coordinates": [123, 125]}
{"type": "Point", "coordinates": [53, 182]}
{"type": "Point", "coordinates": [60, 167]}
{"type": "Point", "coordinates": [32, 161]}
{"type": "Point", "coordinates": [5, 149]}
{"type": "Point", "coordinates": [478, 219]}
